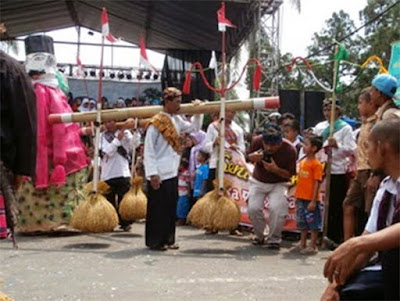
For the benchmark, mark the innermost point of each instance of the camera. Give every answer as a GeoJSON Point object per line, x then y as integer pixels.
{"type": "Point", "coordinates": [267, 157]}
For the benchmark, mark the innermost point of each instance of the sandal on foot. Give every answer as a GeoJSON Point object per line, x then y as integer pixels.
{"type": "Point", "coordinates": [173, 247]}
{"type": "Point", "coordinates": [296, 249]}
{"type": "Point", "coordinates": [159, 248]}
{"type": "Point", "coordinates": [258, 242]}
{"type": "Point", "coordinates": [236, 233]}
{"type": "Point", "coordinates": [309, 251]}
{"type": "Point", "coordinates": [273, 246]}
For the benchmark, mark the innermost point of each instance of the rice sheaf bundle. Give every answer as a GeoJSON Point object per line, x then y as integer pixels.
{"type": "Point", "coordinates": [226, 214]}
{"type": "Point", "coordinates": [201, 213]}
{"type": "Point", "coordinates": [95, 214]}
{"type": "Point", "coordinates": [134, 203]}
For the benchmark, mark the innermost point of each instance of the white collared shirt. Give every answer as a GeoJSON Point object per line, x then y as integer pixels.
{"type": "Point", "coordinates": [159, 157]}
{"type": "Point", "coordinates": [346, 147]}
{"type": "Point", "coordinates": [213, 133]}
{"type": "Point", "coordinates": [113, 165]}
{"type": "Point", "coordinates": [388, 184]}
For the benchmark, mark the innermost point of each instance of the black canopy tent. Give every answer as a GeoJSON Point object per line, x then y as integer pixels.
{"type": "Point", "coordinates": [184, 25]}
{"type": "Point", "coordinates": [186, 31]}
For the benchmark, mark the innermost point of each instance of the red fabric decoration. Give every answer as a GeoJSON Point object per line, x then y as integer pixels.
{"type": "Point", "coordinates": [58, 176]}
{"type": "Point", "coordinates": [186, 84]}
{"type": "Point", "coordinates": [257, 77]}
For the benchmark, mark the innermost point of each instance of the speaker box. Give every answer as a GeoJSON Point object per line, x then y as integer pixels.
{"type": "Point", "coordinates": [290, 102]}
{"type": "Point", "coordinates": [313, 108]}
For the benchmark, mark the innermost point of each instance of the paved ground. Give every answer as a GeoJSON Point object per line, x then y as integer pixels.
{"type": "Point", "coordinates": [117, 266]}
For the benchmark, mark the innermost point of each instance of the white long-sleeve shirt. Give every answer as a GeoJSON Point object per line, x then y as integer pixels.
{"type": "Point", "coordinates": [113, 165]}
{"type": "Point", "coordinates": [392, 186]}
{"type": "Point", "coordinates": [213, 133]}
{"type": "Point", "coordinates": [159, 157]}
{"type": "Point", "coordinates": [346, 146]}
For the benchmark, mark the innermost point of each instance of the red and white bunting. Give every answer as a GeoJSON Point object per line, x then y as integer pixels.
{"type": "Point", "coordinates": [144, 61]}
{"type": "Point", "coordinates": [222, 21]}
{"type": "Point", "coordinates": [81, 71]}
{"type": "Point", "coordinates": [105, 27]}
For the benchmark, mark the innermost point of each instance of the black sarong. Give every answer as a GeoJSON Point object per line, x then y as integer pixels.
{"type": "Point", "coordinates": [161, 213]}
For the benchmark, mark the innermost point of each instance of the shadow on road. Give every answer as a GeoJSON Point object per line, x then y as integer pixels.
{"type": "Point", "coordinates": [90, 246]}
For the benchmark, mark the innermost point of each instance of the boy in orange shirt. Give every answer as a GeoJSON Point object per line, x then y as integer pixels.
{"type": "Point", "coordinates": [307, 203]}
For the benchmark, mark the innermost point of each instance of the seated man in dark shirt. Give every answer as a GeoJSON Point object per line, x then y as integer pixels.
{"type": "Point", "coordinates": [275, 164]}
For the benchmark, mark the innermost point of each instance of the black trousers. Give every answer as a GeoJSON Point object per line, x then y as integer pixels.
{"type": "Point", "coordinates": [365, 285]}
{"type": "Point", "coordinates": [161, 213]}
{"type": "Point", "coordinates": [119, 186]}
{"type": "Point", "coordinates": [211, 178]}
{"type": "Point", "coordinates": [335, 214]}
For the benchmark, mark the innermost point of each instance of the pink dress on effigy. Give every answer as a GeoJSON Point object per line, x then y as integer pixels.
{"type": "Point", "coordinates": [61, 168]}
{"type": "Point", "coordinates": [3, 222]}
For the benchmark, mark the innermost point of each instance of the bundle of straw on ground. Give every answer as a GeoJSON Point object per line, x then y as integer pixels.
{"type": "Point", "coordinates": [201, 213]}
{"type": "Point", "coordinates": [215, 212]}
{"type": "Point", "coordinates": [95, 214]}
{"type": "Point", "coordinates": [226, 214]}
{"type": "Point", "coordinates": [134, 203]}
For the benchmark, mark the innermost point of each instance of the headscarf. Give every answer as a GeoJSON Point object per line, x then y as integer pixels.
{"type": "Point", "coordinates": [95, 104]}
{"type": "Point", "coordinates": [82, 107]}
{"type": "Point", "coordinates": [121, 103]}
{"type": "Point", "coordinates": [200, 138]}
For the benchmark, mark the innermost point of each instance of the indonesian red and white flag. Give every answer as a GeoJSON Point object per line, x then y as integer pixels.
{"type": "Point", "coordinates": [105, 27]}
{"type": "Point", "coordinates": [222, 21]}
{"type": "Point", "coordinates": [144, 61]}
{"type": "Point", "coordinates": [80, 71]}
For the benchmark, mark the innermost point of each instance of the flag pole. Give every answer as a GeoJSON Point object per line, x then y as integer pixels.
{"type": "Point", "coordinates": [329, 161]}
{"type": "Point", "coordinates": [98, 122]}
{"type": "Point", "coordinates": [222, 123]}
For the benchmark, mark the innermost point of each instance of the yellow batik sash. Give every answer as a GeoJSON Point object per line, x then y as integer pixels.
{"type": "Point", "coordinates": [166, 127]}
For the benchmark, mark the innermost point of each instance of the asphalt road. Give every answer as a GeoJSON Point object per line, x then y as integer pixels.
{"type": "Point", "coordinates": [117, 266]}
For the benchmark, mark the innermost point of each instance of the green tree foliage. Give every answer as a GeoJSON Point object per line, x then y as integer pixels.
{"type": "Point", "coordinates": [375, 39]}
{"type": "Point", "coordinates": [380, 33]}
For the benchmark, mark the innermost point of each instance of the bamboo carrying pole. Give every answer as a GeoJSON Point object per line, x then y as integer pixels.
{"type": "Point", "coordinates": [140, 124]}
{"type": "Point", "coordinates": [259, 103]}
{"type": "Point", "coordinates": [329, 161]}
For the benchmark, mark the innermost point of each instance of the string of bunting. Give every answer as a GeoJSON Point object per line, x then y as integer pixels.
{"type": "Point", "coordinates": [256, 77]}
{"type": "Point", "coordinates": [341, 57]}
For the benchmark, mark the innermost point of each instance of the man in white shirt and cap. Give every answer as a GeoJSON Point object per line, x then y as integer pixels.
{"type": "Point", "coordinates": [162, 148]}
{"type": "Point", "coordinates": [343, 147]}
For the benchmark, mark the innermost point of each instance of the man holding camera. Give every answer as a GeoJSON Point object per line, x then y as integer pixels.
{"type": "Point", "coordinates": [275, 164]}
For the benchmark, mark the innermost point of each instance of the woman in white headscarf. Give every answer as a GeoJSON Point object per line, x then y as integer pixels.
{"type": "Point", "coordinates": [92, 105]}
{"type": "Point", "coordinates": [121, 103]}
{"type": "Point", "coordinates": [84, 107]}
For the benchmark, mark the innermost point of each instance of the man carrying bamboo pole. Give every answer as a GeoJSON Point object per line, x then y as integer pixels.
{"type": "Point", "coordinates": [161, 162]}
{"type": "Point", "coordinates": [342, 145]}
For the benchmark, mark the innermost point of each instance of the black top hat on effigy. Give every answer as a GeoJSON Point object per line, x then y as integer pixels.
{"type": "Point", "coordinates": [39, 43]}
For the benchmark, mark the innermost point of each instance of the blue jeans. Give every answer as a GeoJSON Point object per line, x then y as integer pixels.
{"type": "Point", "coordinates": [182, 209]}
{"type": "Point", "coordinates": [307, 220]}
